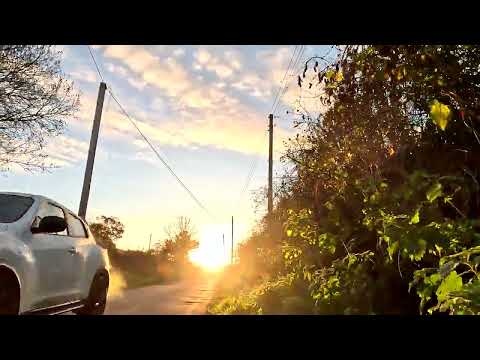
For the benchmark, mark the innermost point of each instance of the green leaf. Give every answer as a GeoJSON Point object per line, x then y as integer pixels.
{"type": "Point", "coordinates": [440, 114]}
{"type": "Point", "coordinates": [434, 279]}
{"type": "Point", "coordinates": [392, 249]}
{"type": "Point", "coordinates": [332, 249]}
{"type": "Point", "coordinates": [415, 218]}
{"type": "Point", "coordinates": [434, 192]}
{"type": "Point", "coordinates": [452, 282]}
{"type": "Point", "coordinates": [351, 260]}
{"type": "Point", "coordinates": [419, 250]}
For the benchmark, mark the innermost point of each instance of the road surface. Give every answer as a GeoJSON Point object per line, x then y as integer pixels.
{"type": "Point", "coordinates": [184, 298]}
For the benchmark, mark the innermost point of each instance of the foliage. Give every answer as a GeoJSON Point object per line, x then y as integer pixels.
{"type": "Point", "coordinates": [142, 268]}
{"type": "Point", "coordinates": [106, 231]}
{"type": "Point", "coordinates": [380, 210]}
{"type": "Point", "coordinates": [179, 242]}
{"type": "Point", "coordinates": [35, 101]}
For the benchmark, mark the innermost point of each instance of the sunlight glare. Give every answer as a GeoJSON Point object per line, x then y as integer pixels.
{"type": "Point", "coordinates": [211, 253]}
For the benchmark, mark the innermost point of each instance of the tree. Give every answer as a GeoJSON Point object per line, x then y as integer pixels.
{"type": "Point", "coordinates": [35, 101]}
{"type": "Point", "coordinates": [381, 208]}
{"type": "Point", "coordinates": [107, 230]}
{"type": "Point", "coordinates": [179, 241]}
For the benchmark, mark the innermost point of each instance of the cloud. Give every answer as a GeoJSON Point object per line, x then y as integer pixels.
{"type": "Point", "coordinates": [84, 74]}
{"type": "Point", "coordinates": [116, 69]}
{"type": "Point", "coordinates": [183, 111]}
{"type": "Point", "coordinates": [138, 84]}
{"type": "Point", "coordinates": [214, 64]}
{"type": "Point", "coordinates": [64, 150]}
{"type": "Point", "coordinates": [254, 85]}
{"type": "Point", "coordinates": [202, 56]}
{"type": "Point", "coordinates": [165, 74]}
{"type": "Point", "coordinates": [179, 52]}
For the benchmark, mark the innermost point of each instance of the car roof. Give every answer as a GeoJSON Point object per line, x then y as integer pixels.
{"type": "Point", "coordinates": [23, 194]}
{"type": "Point", "coordinates": [38, 198]}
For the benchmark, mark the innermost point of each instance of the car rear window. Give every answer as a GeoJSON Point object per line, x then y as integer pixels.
{"type": "Point", "coordinates": [12, 207]}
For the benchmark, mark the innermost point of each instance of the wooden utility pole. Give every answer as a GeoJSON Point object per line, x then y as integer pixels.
{"type": "Point", "coordinates": [270, 165]}
{"type": "Point", "coordinates": [82, 211]}
{"type": "Point", "coordinates": [231, 257]}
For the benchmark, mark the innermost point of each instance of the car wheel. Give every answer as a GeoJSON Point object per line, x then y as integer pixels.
{"type": "Point", "coordinates": [9, 295]}
{"type": "Point", "coordinates": [97, 297]}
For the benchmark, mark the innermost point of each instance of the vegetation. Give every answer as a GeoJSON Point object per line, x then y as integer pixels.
{"type": "Point", "coordinates": [178, 243]}
{"type": "Point", "coordinates": [168, 262]}
{"type": "Point", "coordinates": [35, 100]}
{"type": "Point", "coordinates": [378, 212]}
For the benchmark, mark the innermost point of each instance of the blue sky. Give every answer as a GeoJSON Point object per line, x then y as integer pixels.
{"type": "Point", "coordinates": [204, 108]}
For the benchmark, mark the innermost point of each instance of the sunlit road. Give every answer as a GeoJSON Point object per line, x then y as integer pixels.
{"type": "Point", "coordinates": [184, 298]}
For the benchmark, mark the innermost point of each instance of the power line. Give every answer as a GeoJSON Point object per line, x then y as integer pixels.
{"type": "Point", "coordinates": [282, 83]}
{"type": "Point", "coordinates": [95, 62]}
{"type": "Point", "coordinates": [198, 202]}
{"type": "Point", "coordinates": [249, 176]}
{"type": "Point", "coordinates": [299, 55]}
{"type": "Point", "coordinates": [274, 105]}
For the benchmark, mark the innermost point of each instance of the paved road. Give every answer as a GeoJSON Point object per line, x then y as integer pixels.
{"type": "Point", "coordinates": [185, 298]}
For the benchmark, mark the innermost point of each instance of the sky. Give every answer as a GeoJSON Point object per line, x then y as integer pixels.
{"type": "Point", "coordinates": [204, 108]}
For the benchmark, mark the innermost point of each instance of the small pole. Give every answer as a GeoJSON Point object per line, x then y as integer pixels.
{"type": "Point", "coordinates": [82, 211]}
{"type": "Point", "coordinates": [150, 242]}
{"type": "Point", "coordinates": [270, 165]}
{"type": "Point", "coordinates": [231, 259]}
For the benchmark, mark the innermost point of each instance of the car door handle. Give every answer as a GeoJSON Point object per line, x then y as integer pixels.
{"type": "Point", "coordinates": [72, 251]}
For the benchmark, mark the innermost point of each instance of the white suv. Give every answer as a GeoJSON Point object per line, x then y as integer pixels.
{"type": "Point", "coordinates": [49, 261]}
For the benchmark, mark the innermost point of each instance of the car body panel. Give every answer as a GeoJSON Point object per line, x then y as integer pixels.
{"type": "Point", "coordinates": [48, 273]}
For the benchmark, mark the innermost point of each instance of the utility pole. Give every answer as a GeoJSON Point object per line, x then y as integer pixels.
{"type": "Point", "coordinates": [231, 257]}
{"type": "Point", "coordinates": [82, 211]}
{"type": "Point", "coordinates": [270, 165]}
{"type": "Point", "coordinates": [150, 242]}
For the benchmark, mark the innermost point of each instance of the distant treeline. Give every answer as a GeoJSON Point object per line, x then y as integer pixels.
{"type": "Point", "coordinates": [167, 262]}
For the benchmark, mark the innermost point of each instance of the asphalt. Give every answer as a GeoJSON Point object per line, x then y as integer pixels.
{"type": "Point", "coordinates": [184, 298]}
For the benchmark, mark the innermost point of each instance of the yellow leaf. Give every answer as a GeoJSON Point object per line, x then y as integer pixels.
{"type": "Point", "coordinates": [329, 74]}
{"type": "Point", "coordinates": [401, 73]}
{"type": "Point", "coordinates": [339, 76]}
{"type": "Point", "coordinates": [440, 114]}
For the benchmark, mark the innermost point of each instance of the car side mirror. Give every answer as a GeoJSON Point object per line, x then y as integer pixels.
{"type": "Point", "coordinates": [50, 224]}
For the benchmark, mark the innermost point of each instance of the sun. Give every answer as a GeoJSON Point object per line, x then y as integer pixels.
{"type": "Point", "coordinates": [210, 254]}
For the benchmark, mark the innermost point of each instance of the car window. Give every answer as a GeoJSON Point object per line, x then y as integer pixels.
{"type": "Point", "coordinates": [13, 207]}
{"type": "Point", "coordinates": [47, 209]}
{"type": "Point", "coordinates": [75, 227]}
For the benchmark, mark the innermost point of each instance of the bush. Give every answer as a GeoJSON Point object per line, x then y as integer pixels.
{"type": "Point", "coordinates": [381, 213]}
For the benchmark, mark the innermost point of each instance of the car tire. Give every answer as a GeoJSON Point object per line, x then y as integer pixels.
{"type": "Point", "coordinates": [97, 297]}
{"type": "Point", "coordinates": [9, 294]}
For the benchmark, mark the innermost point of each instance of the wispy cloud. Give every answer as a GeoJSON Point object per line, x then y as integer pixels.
{"type": "Point", "coordinates": [183, 111]}
{"type": "Point", "coordinates": [65, 150]}
{"type": "Point", "coordinates": [84, 74]}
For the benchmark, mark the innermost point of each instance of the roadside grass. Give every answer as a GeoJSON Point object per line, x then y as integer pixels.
{"type": "Point", "coordinates": [228, 286]}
